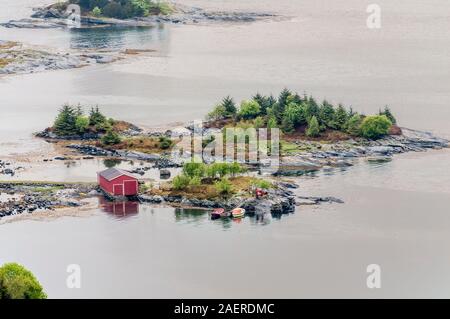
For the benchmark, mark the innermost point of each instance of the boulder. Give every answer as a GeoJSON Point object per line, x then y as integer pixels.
{"type": "Point", "coordinates": [164, 174]}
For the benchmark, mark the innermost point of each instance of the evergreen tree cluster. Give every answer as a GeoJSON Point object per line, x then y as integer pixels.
{"type": "Point", "coordinates": [123, 9]}
{"type": "Point", "coordinates": [71, 121]}
{"type": "Point", "coordinates": [290, 111]}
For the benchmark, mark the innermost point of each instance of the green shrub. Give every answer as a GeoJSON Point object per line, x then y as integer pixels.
{"type": "Point", "coordinates": [163, 8]}
{"type": "Point", "coordinates": [224, 186]}
{"type": "Point", "coordinates": [272, 122]}
{"type": "Point", "coordinates": [144, 187]}
{"type": "Point", "coordinates": [296, 113]}
{"type": "Point", "coordinates": [258, 122]}
{"type": "Point", "coordinates": [223, 169]}
{"type": "Point", "coordinates": [313, 129]}
{"type": "Point", "coordinates": [235, 168]}
{"type": "Point", "coordinates": [96, 12]}
{"type": "Point", "coordinates": [141, 7]}
{"type": "Point", "coordinates": [264, 184]}
{"type": "Point", "coordinates": [353, 125]}
{"type": "Point", "coordinates": [114, 10]}
{"type": "Point", "coordinates": [181, 182]}
{"type": "Point", "coordinates": [218, 113]}
{"type": "Point", "coordinates": [195, 181]}
{"type": "Point", "coordinates": [249, 109]}
{"type": "Point", "coordinates": [194, 169]}
{"type": "Point", "coordinates": [82, 124]}
{"type": "Point", "coordinates": [111, 138]}
{"type": "Point", "coordinates": [213, 170]}
{"type": "Point", "coordinates": [165, 143]}
{"type": "Point", "coordinates": [16, 282]}
{"type": "Point", "coordinates": [375, 126]}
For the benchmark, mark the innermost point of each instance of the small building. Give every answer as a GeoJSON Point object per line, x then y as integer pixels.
{"type": "Point", "coordinates": [118, 182]}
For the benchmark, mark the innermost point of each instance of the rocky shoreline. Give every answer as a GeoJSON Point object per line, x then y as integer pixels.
{"type": "Point", "coordinates": [312, 155]}
{"type": "Point", "coordinates": [278, 201]}
{"type": "Point", "coordinates": [49, 17]}
{"type": "Point", "coordinates": [29, 197]}
{"type": "Point", "coordinates": [17, 58]}
{"type": "Point", "coordinates": [317, 156]}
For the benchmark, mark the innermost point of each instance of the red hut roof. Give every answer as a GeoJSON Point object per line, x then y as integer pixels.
{"type": "Point", "coordinates": [113, 173]}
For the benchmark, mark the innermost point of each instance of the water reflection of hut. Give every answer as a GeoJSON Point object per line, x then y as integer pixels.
{"type": "Point", "coordinates": [122, 208]}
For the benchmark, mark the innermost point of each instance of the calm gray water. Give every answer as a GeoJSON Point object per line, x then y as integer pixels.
{"type": "Point", "coordinates": [395, 215]}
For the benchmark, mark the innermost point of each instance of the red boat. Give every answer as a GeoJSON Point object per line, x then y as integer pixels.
{"type": "Point", "coordinates": [218, 213]}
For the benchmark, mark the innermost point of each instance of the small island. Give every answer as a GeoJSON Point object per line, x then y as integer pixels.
{"type": "Point", "coordinates": [124, 9]}
{"type": "Point", "coordinates": [313, 136]}
{"type": "Point", "coordinates": [128, 13]}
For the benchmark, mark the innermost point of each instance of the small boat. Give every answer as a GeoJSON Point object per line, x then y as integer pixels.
{"type": "Point", "coordinates": [238, 213]}
{"type": "Point", "coordinates": [217, 213]}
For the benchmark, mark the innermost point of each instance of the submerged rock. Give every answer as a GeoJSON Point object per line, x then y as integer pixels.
{"type": "Point", "coordinates": [317, 200]}
{"type": "Point", "coordinates": [379, 159]}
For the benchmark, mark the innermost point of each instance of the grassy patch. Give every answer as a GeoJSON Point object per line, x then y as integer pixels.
{"type": "Point", "coordinates": [8, 45]}
{"type": "Point", "coordinates": [207, 189]}
{"type": "Point", "coordinates": [47, 190]}
{"type": "Point", "coordinates": [148, 145]}
{"type": "Point", "coordinates": [288, 148]}
{"type": "Point", "coordinates": [5, 62]}
{"type": "Point", "coordinates": [242, 185]}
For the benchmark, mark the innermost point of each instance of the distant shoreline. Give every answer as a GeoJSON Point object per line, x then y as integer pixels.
{"type": "Point", "coordinates": [49, 17]}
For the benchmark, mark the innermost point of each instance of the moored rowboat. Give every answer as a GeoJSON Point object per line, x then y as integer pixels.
{"type": "Point", "coordinates": [217, 213]}
{"type": "Point", "coordinates": [238, 212]}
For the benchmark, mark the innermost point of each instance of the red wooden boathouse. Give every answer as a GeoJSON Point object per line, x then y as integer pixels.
{"type": "Point", "coordinates": [118, 182]}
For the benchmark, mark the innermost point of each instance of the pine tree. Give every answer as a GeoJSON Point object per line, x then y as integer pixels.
{"type": "Point", "coordinates": [96, 117]}
{"type": "Point", "coordinates": [229, 106]}
{"type": "Point", "coordinates": [271, 101]}
{"type": "Point", "coordinates": [294, 98]}
{"type": "Point", "coordinates": [287, 124]}
{"type": "Point", "coordinates": [353, 126]}
{"type": "Point", "coordinates": [326, 115]}
{"type": "Point", "coordinates": [351, 112]}
{"type": "Point", "coordinates": [389, 115]}
{"type": "Point", "coordinates": [272, 122]}
{"type": "Point", "coordinates": [313, 129]}
{"type": "Point", "coordinates": [79, 111]}
{"type": "Point", "coordinates": [296, 113]}
{"type": "Point", "coordinates": [263, 101]}
{"type": "Point", "coordinates": [111, 138]}
{"type": "Point", "coordinates": [65, 123]}
{"type": "Point", "coordinates": [284, 97]}
{"type": "Point", "coordinates": [311, 109]}
{"type": "Point", "coordinates": [340, 118]}
{"type": "Point", "coordinates": [280, 106]}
